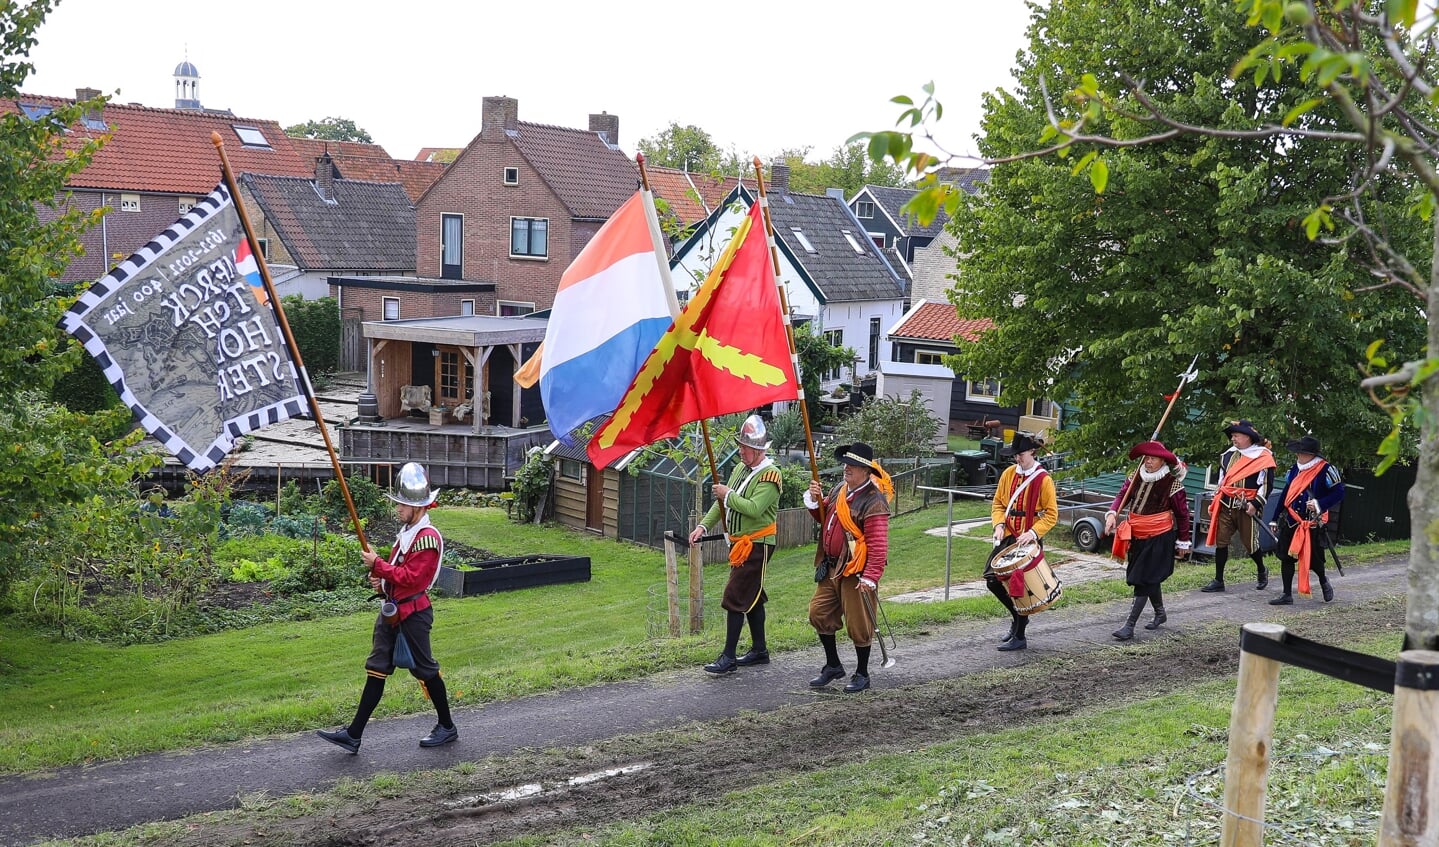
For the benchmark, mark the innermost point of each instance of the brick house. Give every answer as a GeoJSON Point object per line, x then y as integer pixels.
{"type": "Point", "coordinates": [519, 203]}
{"type": "Point", "coordinates": [156, 164]}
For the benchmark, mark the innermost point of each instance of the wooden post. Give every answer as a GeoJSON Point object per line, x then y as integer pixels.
{"type": "Point", "coordinates": [672, 586]}
{"type": "Point", "coordinates": [1411, 795]}
{"type": "Point", "coordinates": [697, 588]}
{"type": "Point", "coordinates": [1251, 738]}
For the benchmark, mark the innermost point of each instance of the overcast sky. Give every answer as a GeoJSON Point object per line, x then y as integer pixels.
{"type": "Point", "coordinates": [413, 74]}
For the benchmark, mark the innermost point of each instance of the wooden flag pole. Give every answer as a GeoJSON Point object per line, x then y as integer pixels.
{"type": "Point", "coordinates": [289, 337]}
{"type": "Point", "coordinates": [788, 327]}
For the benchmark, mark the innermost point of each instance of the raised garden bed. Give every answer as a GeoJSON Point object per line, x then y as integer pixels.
{"type": "Point", "coordinates": [493, 575]}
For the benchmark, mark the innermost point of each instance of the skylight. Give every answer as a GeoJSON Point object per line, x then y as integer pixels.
{"type": "Point", "coordinates": [853, 242]}
{"type": "Point", "coordinates": [35, 111]}
{"type": "Point", "coordinates": [803, 241]}
{"type": "Point", "coordinates": [250, 136]}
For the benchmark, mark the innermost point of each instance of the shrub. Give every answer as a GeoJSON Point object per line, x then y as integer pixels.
{"type": "Point", "coordinates": [244, 519]}
{"type": "Point", "coordinates": [332, 563]}
{"type": "Point", "coordinates": [369, 499]}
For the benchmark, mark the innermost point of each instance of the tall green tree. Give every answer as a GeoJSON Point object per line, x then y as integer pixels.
{"type": "Point", "coordinates": [688, 148]}
{"type": "Point", "coordinates": [848, 167]}
{"type": "Point", "coordinates": [53, 457]}
{"type": "Point", "coordinates": [330, 129]}
{"type": "Point", "coordinates": [1326, 127]}
{"type": "Point", "coordinates": [1196, 246]}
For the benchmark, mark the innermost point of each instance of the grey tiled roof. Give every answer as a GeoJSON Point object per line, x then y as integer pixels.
{"type": "Point", "coordinates": [589, 176]}
{"type": "Point", "coordinates": [841, 272]}
{"type": "Point", "coordinates": [369, 226]}
{"type": "Point", "coordinates": [893, 199]}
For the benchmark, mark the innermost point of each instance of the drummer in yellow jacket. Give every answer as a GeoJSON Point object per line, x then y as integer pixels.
{"type": "Point", "coordinates": [1024, 509]}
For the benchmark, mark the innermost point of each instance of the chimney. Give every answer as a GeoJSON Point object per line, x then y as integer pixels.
{"type": "Point", "coordinates": [779, 178]}
{"type": "Point", "coordinates": [836, 193]}
{"type": "Point", "coordinates": [325, 177]}
{"type": "Point", "coordinates": [499, 115]}
{"type": "Point", "coordinates": [93, 114]}
{"type": "Point", "coordinates": [608, 125]}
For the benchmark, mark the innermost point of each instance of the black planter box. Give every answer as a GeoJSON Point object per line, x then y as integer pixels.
{"type": "Point", "coordinates": [509, 574]}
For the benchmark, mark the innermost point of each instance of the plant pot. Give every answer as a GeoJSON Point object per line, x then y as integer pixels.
{"type": "Point", "coordinates": [494, 575]}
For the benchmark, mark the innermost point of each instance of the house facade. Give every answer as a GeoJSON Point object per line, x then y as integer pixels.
{"type": "Point", "coordinates": [519, 203]}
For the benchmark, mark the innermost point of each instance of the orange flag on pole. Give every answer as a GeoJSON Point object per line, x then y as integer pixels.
{"type": "Point", "coordinates": [727, 352]}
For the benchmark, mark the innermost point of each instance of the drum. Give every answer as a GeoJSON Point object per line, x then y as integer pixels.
{"type": "Point", "coordinates": [1013, 557]}
{"type": "Point", "coordinates": [1041, 589]}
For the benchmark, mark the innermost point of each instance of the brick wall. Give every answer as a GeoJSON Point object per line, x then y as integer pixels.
{"type": "Point", "coordinates": [473, 186]}
{"type": "Point", "coordinates": [118, 234]}
{"type": "Point", "coordinates": [413, 304]}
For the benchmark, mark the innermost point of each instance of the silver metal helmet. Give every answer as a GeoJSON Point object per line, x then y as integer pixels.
{"type": "Point", "coordinates": [753, 434]}
{"type": "Point", "coordinates": [413, 488]}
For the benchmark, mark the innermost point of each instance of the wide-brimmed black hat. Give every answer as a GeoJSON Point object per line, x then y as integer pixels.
{"type": "Point", "coordinates": [859, 454]}
{"type": "Point", "coordinates": [1022, 442]}
{"type": "Point", "coordinates": [1304, 444]}
{"type": "Point", "coordinates": [1245, 427]}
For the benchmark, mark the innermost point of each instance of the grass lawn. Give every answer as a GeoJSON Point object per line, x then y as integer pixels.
{"type": "Point", "coordinates": [67, 702]}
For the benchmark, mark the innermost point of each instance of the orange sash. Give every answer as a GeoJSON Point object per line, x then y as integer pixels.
{"type": "Point", "coordinates": [1301, 545]}
{"type": "Point", "coordinates": [1140, 527]}
{"type": "Point", "coordinates": [744, 545]}
{"type": "Point", "coordinates": [1242, 468]}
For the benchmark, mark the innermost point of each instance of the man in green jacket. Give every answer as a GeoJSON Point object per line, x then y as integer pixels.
{"type": "Point", "coordinates": [750, 502]}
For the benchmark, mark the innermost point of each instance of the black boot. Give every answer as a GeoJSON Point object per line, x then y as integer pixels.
{"type": "Point", "coordinates": [1126, 632]}
{"type": "Point", "coordinates": [1221, 556]}
{"type": "Point", "coordinates": [1018, 642]}
{"type": "Point", "coordinates": [1263, 581]}
{"type": "Point", "coordinates": [1159, 618]}
{"type": "Point", "coordinates": [1000, 591]}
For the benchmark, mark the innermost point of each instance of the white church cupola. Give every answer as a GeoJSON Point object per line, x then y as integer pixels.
{"type": "Point", "coordinates": [187, 86]}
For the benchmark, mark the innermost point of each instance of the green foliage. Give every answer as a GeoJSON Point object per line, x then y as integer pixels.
{"type": "Point", "coordinates": [249, 570]}
{"type": "Point", "coordinates": [369, 499]}
{"type": "Point", "coordinates": [330, 129]}
{"type": "Point", "coordinates": [331, 563]}
{"type": "Point", "coordinates": [316, 327]}
{"type": "Point", "coordinates": [893, 427]}
{"type": "Point", "coordinates": [690, 148]}
{"type": "Point", "coordinates": [531, 485]}
{"type": "Point", "coordinates": [796, 479]}
{"type": "Point", "coordinates": [244, 520]}
{"type": "Point", "coordinates": [1201, 244]}
{"type": "Point", "coordinates": [54, 458]}
{"type": "Point", "coordinates": [816, 357]}
{"type": "Point", "coordinates": [293, 501]}
{"type": "Point", "coordinates": [848, 167]}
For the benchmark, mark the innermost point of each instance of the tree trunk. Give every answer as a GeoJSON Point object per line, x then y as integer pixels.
{"type": "Point", "coordinates": [1421, 620]}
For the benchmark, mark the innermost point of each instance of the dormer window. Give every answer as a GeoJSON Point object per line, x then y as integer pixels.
{"type": "Point", "coordinates": [251, 136]}
{"type": "Point", "coordinates": [35, 111]}
{"type": "Point", "coordinates": [864, 209]}
{"type": "Point", "coordinates": [512, 176]}
{"type": "Point", "coordinates": [803, 240]}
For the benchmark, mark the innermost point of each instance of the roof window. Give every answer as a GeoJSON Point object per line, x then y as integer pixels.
{"type": "Point", "coordinates": [250, 136]}
{"type": "Point", "coordinates": [853, 242]}
{"type": "Point", "coordinates": [35, 111]}
{"type": "Point", "coordinates": [803, 240]}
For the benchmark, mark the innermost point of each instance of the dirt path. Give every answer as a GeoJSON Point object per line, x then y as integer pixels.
{"type": "Point", "coordinates": [593, 755]}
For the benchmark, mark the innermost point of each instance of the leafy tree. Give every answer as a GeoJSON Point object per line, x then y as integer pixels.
{"type": "Point", "coordinates": [848, 167]}
{"type": "Point", "coordinates": [1318, 152]}
{"type": "Point", "coordinates": [330, 129]}
{"type": "Point", "coordinates": [53, 456]}
{"type": "Point", "coordinates": [894, 427]}
{"type": "Point", "coordinates": [690, 148]}
{"type": "Point", "coordinates": [817, 357]}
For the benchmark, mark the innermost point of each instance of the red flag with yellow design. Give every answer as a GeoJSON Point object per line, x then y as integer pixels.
{"type": "Point", "coordinates": [727, 352]}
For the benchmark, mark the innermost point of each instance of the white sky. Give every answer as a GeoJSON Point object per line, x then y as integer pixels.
{"type": "Point", "coordinates": [413, 74]}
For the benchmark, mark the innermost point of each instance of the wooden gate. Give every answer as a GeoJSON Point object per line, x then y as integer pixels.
{"type": "Point", "coordinates": [352, 341]}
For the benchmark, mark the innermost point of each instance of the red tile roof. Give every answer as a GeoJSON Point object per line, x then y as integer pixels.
{"type": "Point", "coordinates": [169, 150]}
{"type": "Point", "coordinates": [589, 176]}
{"type": "Point", "coordinates": [684, 191]}
{"type": "Point", "coordinates": [370, 163]}
{"type": "Point", "coordinates": [444, 155]}
{"type": "Point", "coordinates": [940, 322]}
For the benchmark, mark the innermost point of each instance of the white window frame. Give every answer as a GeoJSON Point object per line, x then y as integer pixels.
{"type": "Point", "coordinates": [264, 245]}
{"type": "Point", "coordinates": [834, 338]}
{"type": "Point", "coordinates": [185, 204]}
{"type": "Point", "coordinates": [853, 242]}
{"type": "Point", "coordinates": [540, 257]}
{"type": "Point", "coordinates": [467, 307]}
{"type": "Point", "coordinates": [520, 307]}
{"type": "Point", "coordinates": [983, 395]}
{"type": "Point", "coordinates": [864, 209]}
{"type": "Point", "coordinates": [929, 357]}
{"type": "Point", "coordinates": [510, 176]}
{"type": "Point", "coordinates": [386, 313]}
{"type": "Point", "coordinates": [129, 202]}
{"type": "Point", "coordinates": [571, 469]}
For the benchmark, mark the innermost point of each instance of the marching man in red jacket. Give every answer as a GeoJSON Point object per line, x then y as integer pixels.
{"type": "Point", "coordinates": [407, 616]}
